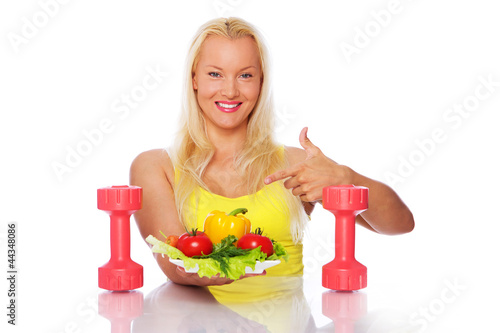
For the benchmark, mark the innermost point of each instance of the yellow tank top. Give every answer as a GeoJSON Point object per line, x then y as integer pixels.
{"type": "Point", "coordinates": [267, 210]}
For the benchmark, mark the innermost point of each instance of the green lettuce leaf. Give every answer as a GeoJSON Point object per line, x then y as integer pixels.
{"type": "Point", "coordinates": [209, 267]}
{"type": "Point", "coordinates": [279, 252]}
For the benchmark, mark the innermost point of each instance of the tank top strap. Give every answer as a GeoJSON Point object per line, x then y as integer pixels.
{"type": "Point", "coordinates": [176, 175]}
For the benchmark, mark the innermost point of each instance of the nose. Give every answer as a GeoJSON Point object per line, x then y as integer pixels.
{"type": "Point", "coordinates": [230, 88]}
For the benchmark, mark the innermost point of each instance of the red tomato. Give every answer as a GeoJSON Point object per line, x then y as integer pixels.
{"type": "Point", "coordinates": [254, 240]}
{"type": "Point", "coordinates": [172, 240]}
{"type": "Point", "coordinates": [194, 243]}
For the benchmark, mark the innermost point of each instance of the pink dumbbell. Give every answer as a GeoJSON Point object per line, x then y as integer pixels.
{"type": "Point", "coordinates": [120, 202]}
{"type": "Point", "coordinates": [345, 202]}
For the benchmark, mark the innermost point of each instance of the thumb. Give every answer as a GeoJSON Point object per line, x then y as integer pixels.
{"type": "Point", "coordinates": [308, 146]}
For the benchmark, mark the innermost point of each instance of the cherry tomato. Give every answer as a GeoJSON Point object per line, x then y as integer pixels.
{"type": "Point", "coordinates": [172, 240]}
{"type": "Point", "coordinates": [194, 243]}
{"type": "Point", "coordinates": [254, 240]}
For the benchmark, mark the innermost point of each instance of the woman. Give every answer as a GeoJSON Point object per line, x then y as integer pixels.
{"type": "Point", "coordinates": [226, 157]}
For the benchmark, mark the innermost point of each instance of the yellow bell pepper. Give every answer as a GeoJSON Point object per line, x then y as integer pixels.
{"type": "Point", "coordinates": [219, 225]}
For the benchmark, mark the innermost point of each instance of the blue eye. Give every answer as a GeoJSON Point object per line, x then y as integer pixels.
{"type": "Point", "coordinates": [214, 74]}
{"type": "Point", "coordinates": [246, 76]}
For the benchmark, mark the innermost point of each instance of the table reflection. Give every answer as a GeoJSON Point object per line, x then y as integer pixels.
{"type": "Point", "coordinates": [349, 313]}
{"type": "Point", "coordinates": [269, 304]}
{"type": "Point", "coordinates": [344, 308]}
{"type": "Point", "coordinates": [176, 308]}
{"type": "Point", "coordinates": [120, 308]}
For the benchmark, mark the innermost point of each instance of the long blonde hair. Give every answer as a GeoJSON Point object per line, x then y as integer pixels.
{"type": "Point", "coordinates": [260, 154]}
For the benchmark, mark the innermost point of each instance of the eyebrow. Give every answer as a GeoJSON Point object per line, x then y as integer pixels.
{"type": "Point", "coordinates": [222, 69]}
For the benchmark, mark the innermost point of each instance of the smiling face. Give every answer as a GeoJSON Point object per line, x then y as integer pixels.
{"type": "Point", "coordinates": [227, 81]}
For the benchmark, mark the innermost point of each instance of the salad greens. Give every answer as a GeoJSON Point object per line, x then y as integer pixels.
{"type": "Point", "coordinates": [226, 259]}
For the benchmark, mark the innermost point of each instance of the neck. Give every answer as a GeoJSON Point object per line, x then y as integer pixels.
{"type": "Point", "coordinates": [227, 142]}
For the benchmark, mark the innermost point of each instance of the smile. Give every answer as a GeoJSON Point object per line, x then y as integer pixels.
{"type": "Point", "coordinates": [226, 106]}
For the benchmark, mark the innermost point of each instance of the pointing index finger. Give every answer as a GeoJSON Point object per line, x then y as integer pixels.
{"type": "Point", "coordinates": [279, 175]}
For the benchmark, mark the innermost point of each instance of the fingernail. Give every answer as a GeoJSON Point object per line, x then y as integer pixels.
{"type": "Point", "coordinates": [267, 181]}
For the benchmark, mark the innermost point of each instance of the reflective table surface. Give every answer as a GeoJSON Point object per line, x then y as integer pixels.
{"type": "Point", "coordinates": [302, 308]}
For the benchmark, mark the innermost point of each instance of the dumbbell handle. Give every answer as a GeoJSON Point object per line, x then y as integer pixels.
{"type": "Point", "coordinates": [345, 228]}
{"type": "Point", "coordinates": [120, 235]}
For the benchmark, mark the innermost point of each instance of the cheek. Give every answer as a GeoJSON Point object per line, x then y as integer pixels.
{"type": "Point", "coordinates": [207, 89]}
{"type": "Point", "coordinates": [252, 91]}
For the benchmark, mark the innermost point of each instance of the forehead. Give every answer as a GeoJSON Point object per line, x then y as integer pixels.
{"type": "Point", "coordinates": [226, 53]}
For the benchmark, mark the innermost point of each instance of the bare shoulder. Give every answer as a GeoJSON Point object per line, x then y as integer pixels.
{"type": "Point", "coordinates": [153, 162]}
{"type": "Point", "coordinates": [295, 155]}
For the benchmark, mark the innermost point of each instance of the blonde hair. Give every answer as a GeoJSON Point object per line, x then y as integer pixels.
{"type": "Point", "coordinates": [260, 154]}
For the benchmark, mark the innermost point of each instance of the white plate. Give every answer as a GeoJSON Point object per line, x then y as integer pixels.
{"type": "Point", "coordinates": [259, 266]}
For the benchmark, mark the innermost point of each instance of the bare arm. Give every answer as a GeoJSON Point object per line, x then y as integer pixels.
{"type": "Point", "coordinates": [387, 213]}
{"type": "Point", "coordinates": [153, 170]}
{"type": "Point", "coordinates": [311, 170]}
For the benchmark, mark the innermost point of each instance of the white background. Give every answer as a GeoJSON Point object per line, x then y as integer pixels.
{"type": "Point", "coordinates": [367, 110]}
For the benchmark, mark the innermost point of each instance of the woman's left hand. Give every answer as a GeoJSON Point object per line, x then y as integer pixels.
{"type": "Point", "coordinates": [308, 178]}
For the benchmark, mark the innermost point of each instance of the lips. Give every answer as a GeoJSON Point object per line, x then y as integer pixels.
{"type": "Point", "coordinates": [228, 106]}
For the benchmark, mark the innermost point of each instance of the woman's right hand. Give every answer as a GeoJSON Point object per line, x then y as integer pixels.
{"type": "Point", "coordinates": [202, 281]}
{"type": "Point", "coordinates": [195, 279]}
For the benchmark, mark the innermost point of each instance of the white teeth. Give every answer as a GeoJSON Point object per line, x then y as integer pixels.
{"type": "Point", "coordinates": [228, 106]}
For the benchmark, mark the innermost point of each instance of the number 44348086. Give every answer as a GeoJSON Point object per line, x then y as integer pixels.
{"type": "Point", "coordinates": [11, 244]}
